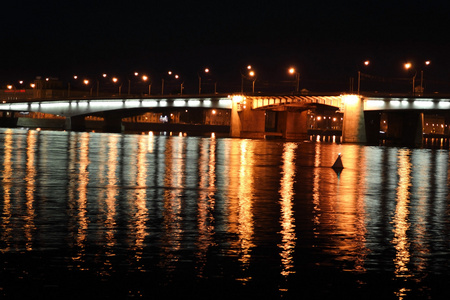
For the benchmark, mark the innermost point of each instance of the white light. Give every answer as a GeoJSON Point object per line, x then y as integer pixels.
{"type": "Point", "coordinates": [179, 103]}
{"type": "Point", "coordinates": [226, 103]}
{"type": "Point", "coordinates": [194, 103]}
{"type": "Point", "coordinates": [350, 99]}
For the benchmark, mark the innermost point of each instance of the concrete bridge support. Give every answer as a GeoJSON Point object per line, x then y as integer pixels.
{"type": "Point", "coordinates": [75, 123]}
{"type": "Point", "coordinates": [246, 122]}
{"type": "Point", "coordinates": [251, 123]}
{"type": "Point", "coordinates": [405, 128]}
{"type": "Point", "coordinates": [293, 124]}
{"type": "Point", "coordinates": [353, 127]}
{"type": "Point", "coordinates": [7, 119]}
{"type": "Point", "coordinates": [112, 122]}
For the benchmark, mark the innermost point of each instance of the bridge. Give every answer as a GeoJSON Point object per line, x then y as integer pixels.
{"type": "Point", "coordinates": [261, 116]}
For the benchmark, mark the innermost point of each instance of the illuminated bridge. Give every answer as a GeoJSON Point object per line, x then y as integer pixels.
{"type": "Point", "coordinates": [363, 118]}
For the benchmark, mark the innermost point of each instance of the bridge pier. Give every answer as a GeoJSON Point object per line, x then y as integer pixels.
{"type": "Point", "coordinates": [246, 122]}
{"type": "Point", "coordinates": [405, 128]}
{"type": "Point", "coordinates": [75, 123]}
{"type": "Point", "coordinates": [293, 124]}
{"type": "Point", "coordinates": [252, 123]}
{"type": "Point", "coordinates": [353, 126]}
{"type": "Point", "coordinates": [7, 119]}
{"type": "Point", "coordinates": [112, 122]}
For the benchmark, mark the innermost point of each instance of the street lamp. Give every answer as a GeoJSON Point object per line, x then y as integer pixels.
{"type": "Point", "coordinates": [366, 63]}
{"type": "Point", "coordinates": [136, 74]}
{"type": "Point", "coordinates": [408, 66]}
{"type": "Point", "coordinates": [145, 78]}
{"type": "Point", "coordinates": [86, 82]}
{"type": "Point", "coordinates": [292, 71]}
{"type": "Point", "coordinates": [115, 80]}
{"type": "Point", "coordinates": [206, 71]}
{"type": "Point", "coordinates": [250, 75]}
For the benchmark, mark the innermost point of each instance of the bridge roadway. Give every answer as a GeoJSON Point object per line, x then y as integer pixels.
{"type": "Point", "coordinates": [246, 117]}
{"type": "Point", "coordinates": [86, 106]}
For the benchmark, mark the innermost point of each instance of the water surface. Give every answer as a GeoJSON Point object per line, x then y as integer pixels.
{"type": "Point", "coordinates": [118, 216]}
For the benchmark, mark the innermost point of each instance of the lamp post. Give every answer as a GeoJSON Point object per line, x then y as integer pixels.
{"type": "Point", "coordinates": [145, 78]}
{"type": "Point", "coordinates": [292, 71]}
{"type": "Point", "coordinates": [408, 66]}
{"type": "Point", "coordinates": [86, 82]}
{"type": "Point", "coordinates": [206, 71]}
{"type": "Point", "coordinates": [366, 63]}
{"type": "Point", "coordinates": [427, 63]}
{"type": "Point", "coordinates": [115, 80]}
{"type": "Point", "coordinates": [250, 75]}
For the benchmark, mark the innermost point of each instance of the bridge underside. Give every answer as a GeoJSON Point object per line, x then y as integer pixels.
{"type": "Point", "coordinates": [288, 120]}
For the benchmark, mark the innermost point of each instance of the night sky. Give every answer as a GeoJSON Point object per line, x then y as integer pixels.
{"type": "Point", "coordinates": [326, 40]}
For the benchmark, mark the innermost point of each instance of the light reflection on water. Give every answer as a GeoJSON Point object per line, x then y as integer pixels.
{"type": "Point", "coordinates": [271, 218]}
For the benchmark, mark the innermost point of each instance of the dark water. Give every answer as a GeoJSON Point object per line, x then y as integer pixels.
{"type": "Point", "coordinates": [140, 216]}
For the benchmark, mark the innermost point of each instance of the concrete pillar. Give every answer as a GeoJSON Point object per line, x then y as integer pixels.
{"type": "Point", "coordinates": [75, 123]}
{"type": "Point", "coordinates": [235, 123]}
{"type": "Point", "coordinates": [405, 128]}
{"type": "Point", "coordinates": [245, 121]}
{"type": "Point", "coordinates": [8, 119]}
{"type": "Point", "coordinates": [293, 124]}
{"type": "Point", "coordinates": [372, 122]}
{"type": "Point", "coordinates": [353, 127]}
{"type": "Point", "coordinates": [112, 122]}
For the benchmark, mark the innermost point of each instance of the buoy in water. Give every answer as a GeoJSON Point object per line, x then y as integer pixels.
{"type": "Point", "coordinates": [338, 163]}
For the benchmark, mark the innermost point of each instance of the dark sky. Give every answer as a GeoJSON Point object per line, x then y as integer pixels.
{"type": "Point", "coordinates": [326, 40]}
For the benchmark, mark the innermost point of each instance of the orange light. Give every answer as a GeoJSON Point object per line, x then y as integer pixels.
{"type": "Point", "coordinates": [408, 66]}
{"type": "Point", "coordinates": [291, 70]}
{"type": "Point", "coordinates": [115, 79]}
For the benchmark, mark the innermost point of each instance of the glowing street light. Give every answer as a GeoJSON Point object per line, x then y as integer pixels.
{"type": "Point", "coordinates": [250, 75]}
{"type": "Point", "coordinates": [206, 71]}
{"type": "Point", "coordinates": [293, 71]}
{"type": "Point", "coordinates": [86, 82]}
{"type": "Point", "coordinates": [115, 80]}
{"type": "Point", "coordinates": [408, 66]}
{"type": "Point", "coordinates": [365, 63]}
{"type": "Point", "coordinates": [145, 78]}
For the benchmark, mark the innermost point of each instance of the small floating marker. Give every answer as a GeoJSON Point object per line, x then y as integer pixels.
{"type": "Point", "coordinates": [338, 163]}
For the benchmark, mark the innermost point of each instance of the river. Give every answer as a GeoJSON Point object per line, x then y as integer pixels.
{"type": "Point", "coordinates": [120, 216]}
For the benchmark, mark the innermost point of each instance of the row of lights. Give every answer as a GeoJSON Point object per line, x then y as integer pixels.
{"type": "Point", "coordinates": [251, 74]}
{"type": "Point", "coordinates": [408, 66]}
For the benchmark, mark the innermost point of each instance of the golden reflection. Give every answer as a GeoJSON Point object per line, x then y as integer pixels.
{"type": "Point", "coordinates": [350, 208]}
{"type": "Point", "coordinates": [140, 217]}
{"type": "Point", "coordinates": [172, 217]}
{"type": "Point", "coordinates": [401, 219]}
{"type": "Point", "coordinates": [245, 196]}
{"type": "Point", "coordinates": [316, 189]}
{"type": "Point", "coordinates": [83, 181]}
{"type": "Point", "coordinates": [287, 219]}
{"type": "Point", "coordinates": [151, 142]}
{"type": "Point", "coordinates": [241, 190]}
{"type": "Point", "coordinates": [111, 193]}
{"type": "Point", "coordinates": [206, 201]}
{"type": "Point", "coordinates": [30, 180]}
{"type": "Point", "coordinates": [78, 161]}
{"type": "Point", "coordinates": [6, 226]}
